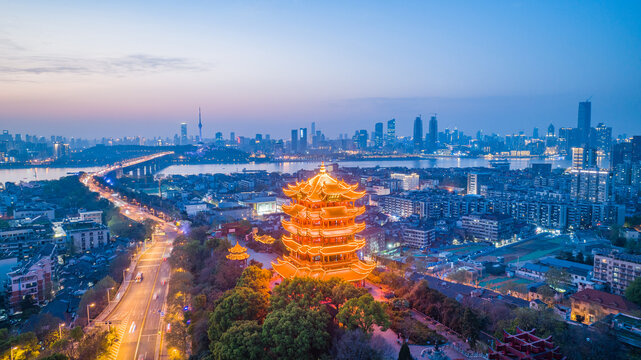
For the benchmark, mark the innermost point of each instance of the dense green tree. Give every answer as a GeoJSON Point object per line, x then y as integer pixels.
{"type": "Point", "coordinates": [93, 345]}
{"type": "Point", "coordinates": [557, 278]}
{"type": "Point", "coordinates": [243, 340]}
{"type": "Point", "coordinates": [404, 353]}
{"type": "Point", "coordinates": [77, 333]}
{"type": "Point", "coordinates": [633, 292]}
{"type": "Point", "coordinates": [354, 345]}
{"type": "Point", "coordinates": [238, 304]}
{"type": "Point", "coordinates": [305, 292]}
{"type": "Point", "coordinates": [343, 291]}
{"type": "Point", "coordinates": [297, 333]}
{"type": "Point", "coordinates": [459, 276]}
{"type": "Point", "coordinates": [362, 313]}
{"type": "Point", "coordinates": [471, 326]}
{"type": "Point", "coordinates": [255, 278]}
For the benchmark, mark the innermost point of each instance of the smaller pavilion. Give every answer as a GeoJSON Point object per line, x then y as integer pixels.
{"type": "Point", "coordinates": [238, 253]}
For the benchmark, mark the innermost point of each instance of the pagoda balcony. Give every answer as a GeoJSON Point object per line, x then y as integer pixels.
{"type": "Point", "coordinates": [323, 232]}
{"type": "Point", "coordinates": [325, 250]}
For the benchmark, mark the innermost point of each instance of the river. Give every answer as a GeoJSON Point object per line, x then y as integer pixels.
{"type": "Point", "coordinates": [43, 173]}
{"type": "Point", "coordinates": [290, 167]}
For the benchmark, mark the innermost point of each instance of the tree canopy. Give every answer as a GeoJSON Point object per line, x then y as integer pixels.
{"type": "Point", "coordinates": [362, 313]}
{"type": "Point", "coordinates": [296, 332]}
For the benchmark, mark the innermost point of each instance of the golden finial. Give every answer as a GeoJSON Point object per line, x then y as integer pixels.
{"type": "Point", "coordinates": [322, 168]}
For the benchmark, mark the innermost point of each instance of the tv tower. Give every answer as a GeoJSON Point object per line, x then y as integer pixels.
{"type": "Point", "coordinates": [200, 126]}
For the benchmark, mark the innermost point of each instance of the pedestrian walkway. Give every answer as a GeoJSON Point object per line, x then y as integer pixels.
{"type": "Point", "coordinates": [120, 332]}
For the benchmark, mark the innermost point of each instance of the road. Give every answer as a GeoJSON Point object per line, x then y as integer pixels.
{"type": "Point", "coordinates": [137, 315]}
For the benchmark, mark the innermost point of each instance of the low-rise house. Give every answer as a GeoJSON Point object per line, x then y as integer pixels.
{"type": "Point", "coordinates": [86, 235]}
{"type": "Point", "coordinates": [33, 210]}
{"type": "Point", "coordinates": [589, 305]}
{"type": "Point", "coordinates": [32, 279]}
{"type": "Point", "coordinates": [418, 238]}
{"type": "Point", "coordinates": [494, 227]}
{"type": "Point", "coordinates": [627, 329]}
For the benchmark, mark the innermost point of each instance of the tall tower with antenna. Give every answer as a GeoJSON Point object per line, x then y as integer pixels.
{"type": "Point", "coordinates": [200, 126]}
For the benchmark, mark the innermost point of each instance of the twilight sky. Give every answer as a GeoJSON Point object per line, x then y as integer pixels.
{"type": "Point", "coordinates": [116, 68]}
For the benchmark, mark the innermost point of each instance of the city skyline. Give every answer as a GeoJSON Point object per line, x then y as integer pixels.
{"type": "Point", "coordinates": [290, 65]}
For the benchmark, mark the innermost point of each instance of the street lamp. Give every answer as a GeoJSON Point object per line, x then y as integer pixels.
{"type": "Point", "coordinates": [108, 300]}
{"type": "Point", "coordinates": [88, 306]}
{"type": "Point", "coordinates": [123, 274]}
{"type": "Point", "coordinates": [60, 330]}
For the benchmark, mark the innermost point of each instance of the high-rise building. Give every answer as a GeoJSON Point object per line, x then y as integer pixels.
{"type": "Point", "coordinates": [360, 138]}
{"type": "Point", "coordinates": [294, 141]}
{"type": "Point", "coordinates": [302, 140]}
{"type": "Point", "coordinates": [535, 133]}
{"type": "Point", "coordinates": [603, 136]}
{"type": "Point", "coordinates": [433, 134]}
{"type": "Point", "coordinates": [584, 158]}
{"type": "Point", "coordinates": [418, 134]}
{"type": "Point", "coordinates": [551, 130]}
{"type": "Point", "coordinates": [219, 136]}
{"type": "Point", "coordinates": [183, 133]}
{"type": "Point", "coordinates": [391, 130]}
{"type": "Point", "coordinates": [584, 120]}
{"type": "Point", "coordinates": [591, 185]}
{"type": "Point", "coordinates": [200, 127]}
{"type": "Point", "coordinates": [232, 136]}
{"type": "Point", "coordinates": [408, 182]}
{"type": "Point", "coordinates": [473, 183]}
{"type": "Point", "coordinates": [313, 128]}
{"type": "Point", "coordinates": [378, 134]}
{"type": "Point", "coordinates": [616, 268]}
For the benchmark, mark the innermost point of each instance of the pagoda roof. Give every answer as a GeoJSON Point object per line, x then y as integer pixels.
{"type": "Point", "coordinates": [318, 187]}
{"type": "Point", "coordinates": [323, 232]}
{"type": "Point", "coordinates": [358, 270]}
{"type": "Point", "coordinates": [237, 249]}
{"type": "Point", "coordinates": [237, 252]}
{"type": "Point", "coordinates": [265, 239]}
{"type": "Point", "coordinates": [237, 256]}
{"type": "Point", "coordinates": [327, 213]}
{"type": "Point", "coordinates": [323, 249]}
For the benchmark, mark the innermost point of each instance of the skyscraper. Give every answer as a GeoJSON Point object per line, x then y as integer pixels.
{"type": "Point", "coordinates": [200, 126]}
{"type": "Point", "coordinates": [391, 130]}
{"type": "Point", "coordinates": [232, 136]}
{"type": "Point", "coordinates": [551, 130]}
{"type": "Point", "coordinates": [535, 133]}
{"type": "Point", "coordinates": [183, 133]}
{"type": "Point", "coordinates": [302, 141]}
{"type": "Point", "coordinates": [584, 119]}
{"type": "Point", "coordinates": [418, 134]}
{"type": "Point", "coordinates": [603, 139]}
{"type": "Point", "coordinates": [378, 134]}
{"type": "Point", "coordinates": [294, 142]}
{"type": "Point", "coordinates": [433, 135]}
{"type": "Point", "coordinates": [361, 139]}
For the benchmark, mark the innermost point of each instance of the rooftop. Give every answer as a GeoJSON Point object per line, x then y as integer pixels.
{"type": "Point", "coordinates": [607, 300]}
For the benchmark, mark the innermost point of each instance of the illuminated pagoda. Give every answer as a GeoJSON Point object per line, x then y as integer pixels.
{"type": "Point", "coordinates": [321, 228]}
{"type": "Point", "coordinates": [238, 253]}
